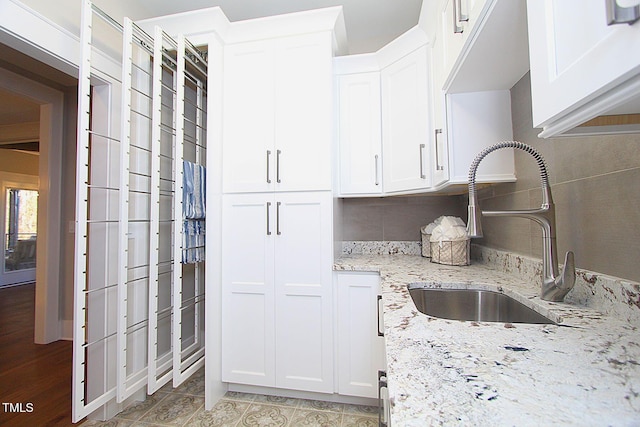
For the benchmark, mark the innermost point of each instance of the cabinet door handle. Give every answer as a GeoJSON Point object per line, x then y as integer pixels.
{"type": "Point", "coordinates": [378, 301]}
{"type": "Point", "coordinates": [438, 165]}
{"type": "Point", "coordinates": [377, 170]}
{"type": "Point", "coordinates": [457, 29]}
{"type": "Point", "coordinates": [268, 219]}
{"type": "Point", "coordinates": [422, 174]}
{"type": "Point", "coordinates": [278, 152]}
{"type": "Point", "coordinates": [278, 218]}
{"type": "Point", "coordinates": [268, 162]}
{"type": "Point", "coordinates": [383, 419]}
{"type": "Point", "coordinates": [461, 16]}
{"type": "Point", "coordinates": [617, 14]}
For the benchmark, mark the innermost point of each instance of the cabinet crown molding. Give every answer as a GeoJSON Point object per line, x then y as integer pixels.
{"type": "Point", "coordinates": [203, 22]}
{"type": "Point", "coordinates": [406, 43]}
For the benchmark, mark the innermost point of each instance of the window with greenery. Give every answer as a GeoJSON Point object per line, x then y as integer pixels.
{"type": "Point", "coordinates": [21, 224]}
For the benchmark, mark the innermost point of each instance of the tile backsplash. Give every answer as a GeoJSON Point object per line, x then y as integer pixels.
{"type": "Point", "coordinates": [397, 218]}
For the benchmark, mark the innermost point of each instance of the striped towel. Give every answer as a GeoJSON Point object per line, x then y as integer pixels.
{"type": "Point", "coordinates": [194, 187]}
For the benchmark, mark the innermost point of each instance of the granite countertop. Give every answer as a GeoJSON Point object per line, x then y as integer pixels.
{"type": "Point", "coordinates": [585, 370]}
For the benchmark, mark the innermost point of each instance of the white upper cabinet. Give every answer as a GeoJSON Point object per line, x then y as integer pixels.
{"type": "Point", "coordinates": [360, 137]}
{"type": "Point", "coordinates": [465, 123]}
{"type": "Point", "coordinates": [494, 53]}
{"type": "Point", "coordinates": [277, 121]}
{"type": "Point", "coordinates": [304, 113]}
{"type": "Point", "coordinates": [439, 59]}
{"type": "Point", "coordinates": [451, 31]}
{"type": "Point", "coordinates": [405, 123]}
{"type": "Point", "coordinates": [249, 113]}
{"type": "Point", "coordinates": [581, 67]}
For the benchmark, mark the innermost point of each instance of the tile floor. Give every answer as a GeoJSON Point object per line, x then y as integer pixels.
{"type": "Point", "coordinates": [184, 406]}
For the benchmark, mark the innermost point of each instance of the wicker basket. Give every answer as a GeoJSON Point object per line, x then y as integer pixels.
{"type": "Point", "coordinates": [451, 252]}
{"type": "Point", "coordinates": [426, 245]}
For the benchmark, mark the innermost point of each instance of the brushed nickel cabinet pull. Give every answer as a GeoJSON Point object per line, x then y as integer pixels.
{"type": "Point", "coordinates": [380, 333]}
{"type": "Point", "coordinates": [268, 219]}
{"type": "Point", "coordinates": [278, 218]}
{"type": "Point", "coordinates": [278, 152]}
{"type": "Point", "coordinates": [422, 174]}
{"type": "Point", "coordinates": [457, 29]}
{"type": "Point", "coordinates": [377, 170]}
{"type": "Point", "coordinates": [461, 16]}
{"type": "Point", "coordinates": [438, 165]}
{"type": "Point", "coordinates": [268, 172]}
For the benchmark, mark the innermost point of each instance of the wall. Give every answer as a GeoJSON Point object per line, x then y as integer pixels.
{"type": "Point", "coordinates": [396, 218]}
{"type": "Point", "coordinates": [67, 243]}
{"type": "Point", "coordinates": [595, 183]}
{"type": "Point", "coordinates": [19, 162]}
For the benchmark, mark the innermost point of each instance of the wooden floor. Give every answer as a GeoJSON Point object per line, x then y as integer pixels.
{"type": "Point", "coordinates": [31, 373]}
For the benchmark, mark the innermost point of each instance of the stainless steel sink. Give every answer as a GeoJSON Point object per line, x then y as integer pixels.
{"type": "Point", "coordinates": [473, 304]}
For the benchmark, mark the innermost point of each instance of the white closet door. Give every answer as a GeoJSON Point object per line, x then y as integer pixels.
{"type": "Point", "coordinates": [188, 279]}
{"type": "Point", "coordinates": [97, 229]}
{"type": "Point", "coordinates": [248, 307]}
{"type": "Point", "coordinates": [160, 342]}
{"type": "Point", "coordinates": [303, 291]}
{"type": "Point", "coordinates": [134, 214]}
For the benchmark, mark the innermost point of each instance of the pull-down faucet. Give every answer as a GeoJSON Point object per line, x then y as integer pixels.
{"type": "Point", "coordinates": [554, 287]}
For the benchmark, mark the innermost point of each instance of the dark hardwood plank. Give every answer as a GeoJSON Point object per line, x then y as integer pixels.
{"type": "Point", "coordinates": [31, 373]}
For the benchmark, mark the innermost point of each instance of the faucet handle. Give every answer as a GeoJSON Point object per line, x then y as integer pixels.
{"type": "Point", "coordinates": [568, 272]}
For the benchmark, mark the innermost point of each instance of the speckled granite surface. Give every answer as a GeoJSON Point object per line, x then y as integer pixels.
{"type": "Point", "coordinates": [381, 248]}
{"type": "Point", "coordinates": [583, 371]}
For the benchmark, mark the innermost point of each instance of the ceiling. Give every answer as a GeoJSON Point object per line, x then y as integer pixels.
{"type": "Point", "coordinates": [17, 109]}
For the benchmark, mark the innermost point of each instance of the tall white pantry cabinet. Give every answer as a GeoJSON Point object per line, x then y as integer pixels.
{"type": "Point", "coordinates": [277, 212]}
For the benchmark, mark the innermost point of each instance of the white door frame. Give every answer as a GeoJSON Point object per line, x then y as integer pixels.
{"type": "Point", "coordinates": [47, 320]}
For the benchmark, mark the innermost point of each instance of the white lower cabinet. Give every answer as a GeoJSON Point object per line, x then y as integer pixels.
{"type": "Point", "coordinates": [359, 334]}
{"type": "Point", "coordinates": [277, 309]}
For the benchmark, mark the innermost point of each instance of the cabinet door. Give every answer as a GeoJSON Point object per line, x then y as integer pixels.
{"type": "Point", "coordinates": [304, 112]}
{"type": "Point", "coordinates": [248, 119]}
{"type": "Point", "coordinates": [575, 57]}
{"type": "Point", "coordinates": [360, 348]}
{"type": "Point", "coordinates": [440, 163]}
{"type": "Point", "coordinates": [248, 333]}
{"type": "Point", "coordinates": [360, 134]}
{"type": "Point", "coordinates": [452, 33]}
{"type": "Point", "coordinates": [405, 123]}
{"type": "Point", "coordinates": [303, 277]}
